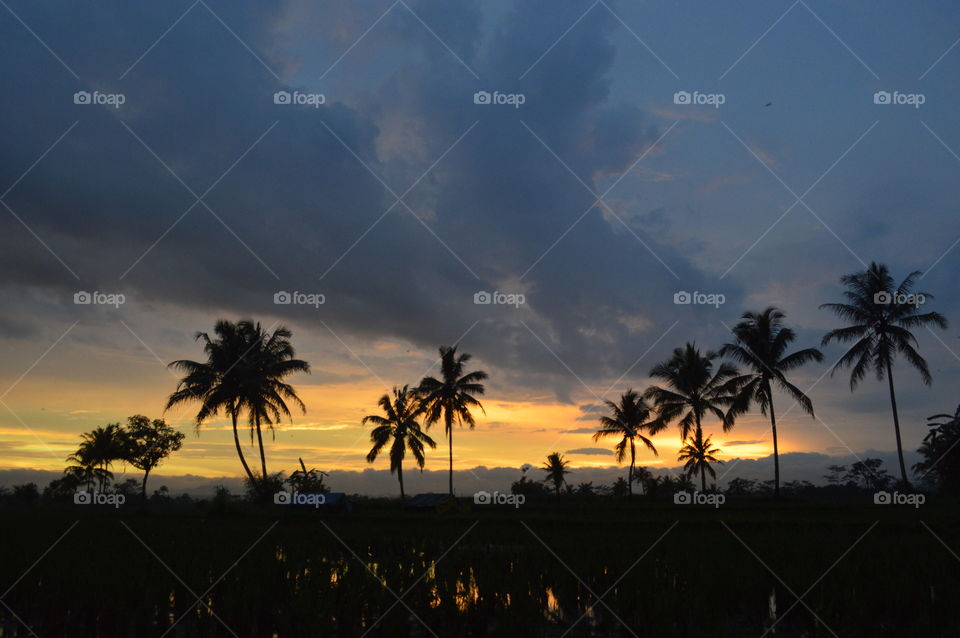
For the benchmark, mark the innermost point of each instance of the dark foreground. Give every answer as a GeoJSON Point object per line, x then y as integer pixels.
{"type": "Point", "coordinates": [566, 569]}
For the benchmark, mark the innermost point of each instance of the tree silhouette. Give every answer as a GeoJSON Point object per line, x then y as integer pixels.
{"type": "Point", "coordinates": [761, 341]}
{"type": "Point", "coordinates": [244, 371]}
{"type": "Point", "coordinates": [699, 454]}
{"type": "Point", "coordinates": [693, 390]}
{"type": "Point", "coordinates": [556, 469]}
{"type": "Point", "coordinates": [879, 317]}
{"type": "Point", "coordinates": [628, 420]}
{"type": "Point", "coordinates": [452, 395]}
{"type": "Point", "coordinates": [941, 452]}
{"type": "Point", "coordinates": [98, 449]}
{"type": "Point", "coordinates": [149, 443]}
{"type": "Point", "coordinates": [399, 425]}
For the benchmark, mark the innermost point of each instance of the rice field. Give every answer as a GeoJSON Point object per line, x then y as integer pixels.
{"type": "Point", "coordinates": [601, 568]}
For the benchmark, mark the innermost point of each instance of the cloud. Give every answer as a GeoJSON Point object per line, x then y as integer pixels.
{"type": "Point", "coordinates": [599, 451]}
{"type": "Point", "coordinates": [753, 442]}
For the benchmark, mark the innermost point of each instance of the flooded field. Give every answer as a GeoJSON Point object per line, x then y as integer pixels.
{"type": "Point", "coordinates": [571, 570]}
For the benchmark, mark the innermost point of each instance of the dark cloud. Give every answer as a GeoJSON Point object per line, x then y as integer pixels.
{"type": "Point", "coordinates": [599, 451]}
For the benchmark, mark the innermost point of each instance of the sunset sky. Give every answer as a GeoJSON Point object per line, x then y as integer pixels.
{"type": "Point", "coordinates": [198, 195]}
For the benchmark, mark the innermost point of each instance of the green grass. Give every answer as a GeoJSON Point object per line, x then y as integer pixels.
{"type": "Point", "coordinates": [302, 580]}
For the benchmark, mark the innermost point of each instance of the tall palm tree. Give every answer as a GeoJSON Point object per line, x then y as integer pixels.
{"type": "Point", "coordinates": [629, 418]}
{"type": "Point", "coordinates": [244, 371]}
{"type": "Point", "coordinates": [761, 341]}
{"type": "Point", "coordinates": [452, 395]}
{"type": "Point", "coordinates": [699, 454]}
{"type": "Point", "coordinates": [98, 449]}
{"type": "Point", "coordinates": [556, 469]}
{"type": "Point", "coordinates": [400, 424]}
{"type": "Point", "coordinates": [270, 360]}
{"type": "Point", "coordinates": [694, 389]}
{"type": "Point", "coordinates": [880, 316]}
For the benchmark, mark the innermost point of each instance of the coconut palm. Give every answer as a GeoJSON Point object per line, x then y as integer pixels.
{"type": "Point", "coordinates": [400, 424]}
{"type": "Point", "coordinates": [761, 341]}
{"type": "Point", "coordinates": [556, 468]}
{"type": "Point", "coordinates": [628, 420]}
{"type": "Point", "coordinates": [452, 395]}
{"type": "Point", "coordinates": [693, 390]}
{"type": "Point", "coordinates": [699, 454]}
{"type": "Point", "coordinates": [244, 371]}
{"type": "Point", "coordinates": [98, 449]}
{"type": "Point", "coordinates": [880, 316]}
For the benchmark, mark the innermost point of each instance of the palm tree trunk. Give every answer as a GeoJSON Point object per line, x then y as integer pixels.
{"type": "Point", "coordinates": [703, 479]}
{"type": "Point", "coordinates": [633, 459]}
{"type": "Point", "coordinates": [776, 449]}
{"type": "Point", "coordinates": [263, 458]}
{"type": "Point", "coordinates": [450, 445]}
{"type": "Point", "coordinates": [236, 441]}
{"type": "Point", "coordinates": [403, 496]}
{"type": "Point", "coordinates": [896, 425]}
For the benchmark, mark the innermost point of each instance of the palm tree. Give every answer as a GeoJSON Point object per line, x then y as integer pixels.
{"type": "Point", "coordinates": [451, 397]}
{"type": "Point", "coordinates": [761, 341]}
{"type": "Point", "coordinates": [98, 449]}
{"type": "Point", "coordinates": [699, 454]}
{"type": "Point", "coordinates": [244, 371]}
{"type": "Point", "coordinates": [694, 389]}
{"type": "Point", "coordinates": [628, 420]}
{"type": "Point", "coordinates": [400, 424]}
{"type": "Point", "coordinates": [879, 317]}
{"type": "Point", "coordinates": [269, 361]}
{"type": "Point", "coordinates": [556, 468]}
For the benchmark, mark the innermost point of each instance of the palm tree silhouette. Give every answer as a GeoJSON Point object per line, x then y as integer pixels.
{"type": "Point", "coordinates": [628, 420]}
{"type": "Point", "coordinates": [400, 424]}
{"type": "Point", "coordinates": [699, 454]}
{"type": "Point", "coordinates": [556, 468]}
{"type": "Point", "coordinates": [761, 343]}
{"type": "Point", "coordinates": [98, 449]}
{"type": "Point", "coordinates": [694, 389]}
{"type": "Point", "coordinates": [452, 396]}
{"type": "Point", "coordinates": [879, 317]}
{"type": "Point", "coordinates": [244, 371]}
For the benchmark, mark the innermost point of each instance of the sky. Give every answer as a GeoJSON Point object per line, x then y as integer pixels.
{"type": "Point", "coordinates": [189, 161]}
